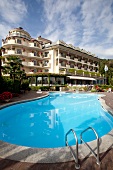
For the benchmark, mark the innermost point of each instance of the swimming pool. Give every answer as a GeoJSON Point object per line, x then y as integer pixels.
{"type": "Point", "coordinates": [43, 123]}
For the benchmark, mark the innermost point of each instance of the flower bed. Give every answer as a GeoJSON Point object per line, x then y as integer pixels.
{"type": "Point", "coordinates": [5, 96]}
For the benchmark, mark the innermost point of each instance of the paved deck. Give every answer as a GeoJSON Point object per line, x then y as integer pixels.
{"type": "Point", "coordinates": [86, 164]}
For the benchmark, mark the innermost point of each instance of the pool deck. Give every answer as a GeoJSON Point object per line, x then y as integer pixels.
{"type": "Point", "coordinates": [86, 162]}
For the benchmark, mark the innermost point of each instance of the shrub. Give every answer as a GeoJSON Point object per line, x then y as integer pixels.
{"type": "Point", "coordinates": [25, 85]}
{"type": "Point", "coordinates": [5, 96]}
{"type": "Point", "coordinates": [6, 84]}
{"type": "Point", "coordinates": [43, 88]}
{"type": "Point", "coordinates": [35, 88]}
{"type": "Point", "coordinates": [16, 86]}
{"type": "Point", "coordinates": [93, 90]}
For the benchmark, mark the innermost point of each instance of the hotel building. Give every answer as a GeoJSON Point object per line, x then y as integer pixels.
{"type": "Point", "coordinates": [44, 56]}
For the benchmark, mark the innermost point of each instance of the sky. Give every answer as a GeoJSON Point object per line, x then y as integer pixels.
{"type": "Point", "coordinates": [87, 24]}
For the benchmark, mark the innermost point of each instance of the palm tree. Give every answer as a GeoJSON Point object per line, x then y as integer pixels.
{"type": "Point", "coordinates": [13, 67]}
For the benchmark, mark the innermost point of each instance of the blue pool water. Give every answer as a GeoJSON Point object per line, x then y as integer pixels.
{"type": "Point", "coordinates": [43, 123]}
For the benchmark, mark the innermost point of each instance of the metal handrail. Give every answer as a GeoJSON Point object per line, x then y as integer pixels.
{"type": "Point", "coordinates": [77, 166]}
{"type": "Point", "coordinates": [95, 155]}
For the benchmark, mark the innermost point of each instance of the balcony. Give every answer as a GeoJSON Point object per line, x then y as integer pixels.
{"type": "Point", "coordinates": [34, 55]}
{"type": "Point", "coordinates": [20, 35]}
{"type": "Point", "coordinates": [62, 65]}
{"type": "Point", "coordinates": [31, 64]}
{"type": "Point", "coordinates": [62, 56]}
{"type": "Point", "coordinates": [9, 52]}
{"type": "Point", "coordinates": [88, 63]}
{"type": "Point", "coordinates": [15, 41]}
{"type": "Point", "coordinates": [8, 42]}
{"type": "Point", "coordinates": [85, 61]}
{"type": "Point", "coordinates": [67, 66]}
{"type": "Point", "coordinates": [70, 71]}
{"type": "Point", "coordinates": [46, 65]}
{"type": "Point", "coordinates": [31, 44]}
{"type": "Point", "coordinates": [72, 58]}
{"type": "Point", "coordinates": [18, 52]}
{"type": "Point", "coordinates": [72, 66]}
{"type": "Point", "coordinates": [75, 59]}
{"type": "Point", "coordinates": [62, 71]}
{"type": "Point", "coordinates": [30, 72]}
{"type": "Point", "coordinates": [67, 57]}
{"type": "Point", "coordinates": [24, 63]}
{"type": "Point", "coordinates": [48, 56]}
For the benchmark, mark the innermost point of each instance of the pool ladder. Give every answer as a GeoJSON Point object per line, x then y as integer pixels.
{"type": "Point", "coordinates": [75, 156]}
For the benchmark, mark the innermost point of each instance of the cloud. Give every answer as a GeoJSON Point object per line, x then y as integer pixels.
{"type": "Point", "coordinates": [60, 18]}
{"type": "Point", "coordinates": [87, 24]}
{"type": "Point", "coordinates": [4, 29]}
{"type": "Point", "coordinates": [12, 11]}
{"type": "Point", "coordinates": [97, 20]}
{"type": "Point", "coordinates": [99, 51]}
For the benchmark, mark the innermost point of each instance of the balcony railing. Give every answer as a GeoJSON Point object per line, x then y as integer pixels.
{"type": "Point", "coordinates": [31, 64]}
{"type": "Point", "coordinates": [62, 56]}
{"type": "Point", "coordinates": [19, 35]}
{"type": "Point", "coordinates": [46, 64]}
{"type": "Point", "coordinates": [82, 73]}
{"type": "Point", "coordinates": [67, 57]}
{"type": "Point", "coordinates": [47, 56]}
{"type": "Point", "coordinates": [62, 65]}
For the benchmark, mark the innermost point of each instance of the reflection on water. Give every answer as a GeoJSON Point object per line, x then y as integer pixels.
{"type": "Point", "coordinates": [44, 122]}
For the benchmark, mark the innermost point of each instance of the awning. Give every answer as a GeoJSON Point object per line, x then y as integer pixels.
{"type": "Point", "coordinates": [81, 78]}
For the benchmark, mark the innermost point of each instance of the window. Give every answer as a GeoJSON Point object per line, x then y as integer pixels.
{"type": "Point", "coordinates": [72, 57]}
{"type": "Point", "coordinates": [46, 70]}
{"type": "Point", "coordinates": [35, 53]}
{"type": "Point", "coordinates": [35, 70]}
{"type": "Point", "coordinates": [19, 51]}
{"type": "Point", "coordinates": [46, 54]}
{"type": "Point", "coordinates": [35, 44]}
{"type": "Point", "coordinates": [79, 66]}
{"type": "Point", "coordinates": [18, 41]}
{"type": "Point", "coordinates": [85, 68]}
{"type": "Point", "coordinates": [79, 59]}
{"type": "Point", "coordinates": [35, 62]}
{"type": "Point", "coordinates": [85, 61]}
{"type": "Point", "coordinates": [72, 66]}
{"type": "Point", "coordinates": [45, 63]}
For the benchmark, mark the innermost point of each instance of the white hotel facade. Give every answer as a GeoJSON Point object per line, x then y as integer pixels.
{"type": "Point", "coordinates": [43, 56]}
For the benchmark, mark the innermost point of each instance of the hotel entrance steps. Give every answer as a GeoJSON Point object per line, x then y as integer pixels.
{"type": "Point", "coordinates": [75, 154]}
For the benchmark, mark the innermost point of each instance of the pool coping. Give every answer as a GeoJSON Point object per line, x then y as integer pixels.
{"type": "Point", "coordinates": [53, 155]}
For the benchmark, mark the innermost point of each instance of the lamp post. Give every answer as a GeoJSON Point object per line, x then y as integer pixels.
{"type": "Point", "coordinates": [106, 69]}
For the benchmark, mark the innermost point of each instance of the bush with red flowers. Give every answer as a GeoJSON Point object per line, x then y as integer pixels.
{"type": "Point", "coordinates": [5, 96]}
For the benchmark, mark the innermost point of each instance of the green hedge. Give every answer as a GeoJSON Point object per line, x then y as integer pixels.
{"type": "Point", "coordinates": [43, 88]}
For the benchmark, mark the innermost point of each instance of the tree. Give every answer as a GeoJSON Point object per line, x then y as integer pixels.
{"type": "Point", "coordinates": [0, 63]}
{"type": "Point", "coordinates": [102, 64]}
{"type": "Point", "coordinates": [13, 67]}
{"type": "Point", "coordinates": [109, 73]}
